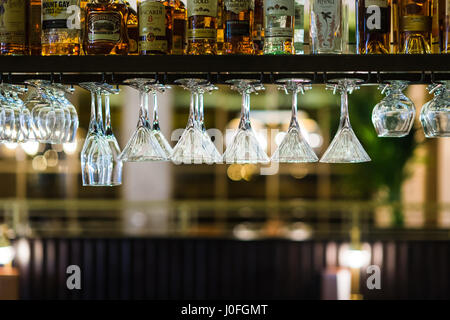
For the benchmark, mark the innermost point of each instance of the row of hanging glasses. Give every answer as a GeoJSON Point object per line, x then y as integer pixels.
{"type": "Point", "coordinates": [44, 116]}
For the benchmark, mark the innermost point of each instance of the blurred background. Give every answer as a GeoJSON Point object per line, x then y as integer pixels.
{"type": "Point", "coordinates": [231, 231]}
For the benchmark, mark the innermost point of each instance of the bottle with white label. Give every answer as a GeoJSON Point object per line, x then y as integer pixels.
{"type": "Point", "coordinates": [299, 28]}
{"type": "Point", "coordinates": [202, 27]}
{"type": "Point", "coordinates": [279, 27]}
{"type": "Point", "coordinates": [238, 19]}
{"type": "Point", "coordinates": [326, 26]}
{"type": "Point", "coordinates": [373, 19]}
{"type": "Point", "coordinates": [61, 25]}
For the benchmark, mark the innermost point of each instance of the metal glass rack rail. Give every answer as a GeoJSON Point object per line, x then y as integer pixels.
{"type": "Point", "coordinates": [166, 69]}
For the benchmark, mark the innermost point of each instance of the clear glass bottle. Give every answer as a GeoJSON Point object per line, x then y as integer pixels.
{"type": "Point", "coordinates": [13, 17]}
{"type": "Point", "coordinates": [105, 28]}
{"type": "Point", "coordinates": [61, 26]}
{"type": "Point", "coordinates": [178, 21]}
{"type": "Point", "coordinates": [326, 26]}
{"type": "Point", "coordinates": [154, 27]}
{"type": "Point", "coordinates": [238, 20]}
{"type": "Point", "coordinates": [299, 27]}
{"type": "Point", "coordinates": [373, 20]}
{"type": "Point", "coordinates": [279, 27]}
{"type": "Point", "coordinates": [415, 26]}
{"type": "Point", "coordinates": [202, 25]}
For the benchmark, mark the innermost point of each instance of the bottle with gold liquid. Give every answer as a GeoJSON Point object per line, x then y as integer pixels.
{"type": "Point", "coordinates": [132, 29]}
{"type": "Point", "coordinates": [13, 27]}
{"type": "Point", "coordinates": [220, 28]}
{"type": "Point", "coordinates": [178, 26]}
{"type": "Point", "coordinates": [61, 25]}
{"type": "Point", "coordinates": [105, 28]}
{"type": "Point", "coordinates": [34, 27]}
{"type": "Point", "coordinates": [373, 20]}
{"type": "Point", "coordinates": [258, 27]}
{"type": "Point", "coordinates": [202, 24]}
{"type": "Point", "coordinates": [415, 26]}
{"type": "Point", "coordinates": [444, 25]}
{"type": "Point", "coordinates": [154, 27]}
{"type": "Point", "coordinates": [239, 19]}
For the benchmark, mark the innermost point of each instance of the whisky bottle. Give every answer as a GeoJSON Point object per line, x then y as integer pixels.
{"type": "Point", "coordinates": [299, 28]}
{"type": "Point", "coordinates": [279, 27]}
{"type": "Point", "coordinates": [105, 28]}
{"type": "Point", "coordinates": [202, 24]}
{"type": "Point", "coordinates": [258, 27]}
{"type": "Point", "coordinates": [178, 22]}
{"type": "Point", "coordinates": [132, 29]}
{"type": "Point", "coordinates": [154, 27]}
{"type": "Point", "coordinates": [220, 28]}
{"type": "Point", "coordinates": [61, 26]}
{"type": "Point", "coordinates": [415, 26]}
{"type": "Point", "coordinates": [13, 27]}
{"type": "Point", "coordinates": [238, 19]}
{"type": "Point", "coordinates": [326, 26]}
{"type": "Point", "coordinates": [34, 30]}
{"type": "Point", "coordinates": [373, 20]}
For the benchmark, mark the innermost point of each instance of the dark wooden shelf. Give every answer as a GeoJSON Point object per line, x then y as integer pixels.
{"type": "Point", "coordinates": [320, 68]}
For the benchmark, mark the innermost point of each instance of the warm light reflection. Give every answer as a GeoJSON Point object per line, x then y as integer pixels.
{"type": "Point", "coordinates": [39, 163]}
{"type": "Point", "coordinates": [6, 255]}
{"type": "Point", "coordinates": [10, 145]}
{"type": "Point", "coordinates": [70, 148]}
{"type": "Point", "coordinates": [30, 147]}
{"type": "Point", "coordinates": [355, 258]}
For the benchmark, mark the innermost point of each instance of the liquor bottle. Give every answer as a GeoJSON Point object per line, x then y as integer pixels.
{"type": "Point", "coordinates": [279, 27]}
{"type": "Point", "coordinates": [444, 26]}
{"type": "Point", "coordinates": [395, 26]}
{"type": "Point", "coordinates": [105, 28]}
{"type": "Point", "coordinates": [13, 27]}
{"type": "Point", "coordinates": [258, 27]}
{"type": "Point", "coordinates": [202, 24]}
{"type": "Point", "coordinates": [373, 20]}
{"type": "Point", "coordinates": [238, 19]}
{"type": "Point", "coordinates": [415, 26]}
{"type": "Point", "coordinates": [154, 29]}
{"type": "Point", "coordinates": [132, 29]}
{"type": "Point", "coordinates": [326, 26]}
{"type": "Point", "coordinates": [299, 28]}
{"type": "Point", "coordinates": [61, 27]}
{"type": "Point", "coordinates": [220, 28]}
{"type": "Point", "coordinates": [34, 30]}
{"type": "Point", "coordinates": [177, 41]}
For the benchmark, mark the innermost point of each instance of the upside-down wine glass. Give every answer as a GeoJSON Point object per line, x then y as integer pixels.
{"type": "Point", "coordinates": [245, 147]}
{"type": "Point", "coordinates": [294, 148]}
{"type": "Point", "coordinates": [345, 147]}
{"type": "Point", "coordinates": [190, 149]}
{"type": "Point", "coordinates": [394, 115]}
{"type": "Point", "coordinates": [435, 114]}
{"type": "Point", "coordinates": [143, 145]}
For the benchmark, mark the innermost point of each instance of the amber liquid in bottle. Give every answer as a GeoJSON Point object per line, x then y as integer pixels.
{"type": "Point", "coordinates": [415, 26]}
{"type": "Point", "coordinates": [132, 30]}
{"type": "Point", "coordinates": [258, 27]}
{"type": "Point", "coordinates": [238, 20]}
{"type": "Point", "coordinates": [178, 26]}
{"type": "Point", "coordinates": [105, 28]}
{"type": "Point", "coordinates": [220, 40]}
{"type": "Point", "coordinates": [34, 27]}
{"type": "Point", "coordinates": [154, 27]}
{"type": "Point", "coordinates": [13, 27]}
{"type": "Point", "coordinates": [61, 27]}
{"type": "Point", "coordinates": [202, 24]}
{"type": "Point", "coordinates": [374, 26]}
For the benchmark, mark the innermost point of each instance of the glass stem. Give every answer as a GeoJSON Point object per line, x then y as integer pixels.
{"type": "Point", "coordinates": [108, 128]}
{"type": "Point", "coordinates": [155, 112]}
{"type": "Point", "coordinates": [201, 111]}
{"type": "Point", "coordinates": [245, 112]}
{"type": "Point", "coordinates": [142, 111]}
{"type": "Point", "coordinates": [93, 121]}
{"type": "Point", "coordinates": [345, 119]}
{"type": "Point", "coordinates": [191, 120]}
{"type": "Point", "coordinates": [294, 115]}
{"type": "Point", "coordinates": [100, 112]}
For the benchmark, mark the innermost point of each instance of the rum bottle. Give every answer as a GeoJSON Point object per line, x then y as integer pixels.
{"type": "Point", "coordinates": [178, 22]}
{"type": "Point", "coordinates": [154, 27]}
{"type": "Point", "coordinates": [105, 28]}
{"type": "Point", "coordinates": [202, 25]}
{"type": "Point", "coordinates": [238, 20]}
{"type": "Point", "coordinates": [373, 20]}
{"type": "Point", "coordinates": [34, 27]}
{"type": "Point", "coordinates": [415, 26]}
{"type": "Point", "coordinates": [220, 28]}
{"type": "Point", "coordinates": [61, 25]}
{"type": "Point", "coordinates": [279, 27]}
{"type": "Point", "coordinates": [13, 27]}
{"type": "Point", "coordinates": [132, 29]}
{"type": "Point", "coordinates": [326, 26]}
